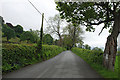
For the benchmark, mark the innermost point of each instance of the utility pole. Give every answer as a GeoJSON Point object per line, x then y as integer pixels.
{"type": "Point", "coordinates": [41, 34]}
{"type": "Point", "coordinates": [39, 45]}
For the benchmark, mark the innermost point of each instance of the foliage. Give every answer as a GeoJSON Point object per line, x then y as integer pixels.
{"type": "Point", "coordinates": [72, 34]}
{"type": "Point", "coordinates": [55, 27]}
{"type": "Point", "coordinates": [27, 35]}
{"type": "Point", "coordinates": [55, 24]}
{"type": "Point", "coordinates": [80, 44]}
{"type": "Point", "coordinates": [55, 42]}
{"type": "Point", "coordinates": [47, 39]}
{"type": "Point", "coordinates": [10, 25]}
{"type": "Point", "coordinates": [67, 42]}
{"type": "Point", "coordinates": [15, 40]}
{"type": "Point", "coordinates": [95, 13]}
{"type": "Point", "coordinates": [35, 34]}
{"type": "Point", "coordinates": [86, 46]}
{"type": "Point", "coordinates": [89, 13]}
{"type": "Point", "coordinates": [119, 52]}
{"type": "Point", "coordinates": [117, 64]}
{"type": "Point", "coordinates": [8, 32]}
{"type": "Point", "coordinates": [94, 58]}
{"type": "Point", "coordinates": [96, 48]}
{"type": "Point", "coordinates": [18, 30]}
{"type": "Point", "coordinates": [16, 56]}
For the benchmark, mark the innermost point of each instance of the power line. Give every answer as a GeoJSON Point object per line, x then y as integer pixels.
{"type": "Point", "coordinates": [39, 12]}
{"type": "Point", "coordinates": [35, 7]}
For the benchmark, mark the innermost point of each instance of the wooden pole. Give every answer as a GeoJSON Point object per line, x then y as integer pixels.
{"type": "Point", "coordinates": [41, 33]}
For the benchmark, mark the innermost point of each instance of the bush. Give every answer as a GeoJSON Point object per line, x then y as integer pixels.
{"type": "Point", "coordinates": [91, 56]}
{"type": "Point", "coordinates": [15, 56]}
{"type": "Point", "coordinates": [95, 59]}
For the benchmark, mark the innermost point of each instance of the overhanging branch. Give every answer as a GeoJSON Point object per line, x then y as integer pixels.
{"type": "Point", "coordinates": [100, 22]}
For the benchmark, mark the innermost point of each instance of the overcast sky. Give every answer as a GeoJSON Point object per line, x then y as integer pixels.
{"type": "Point", "coordinates": [21, 12]}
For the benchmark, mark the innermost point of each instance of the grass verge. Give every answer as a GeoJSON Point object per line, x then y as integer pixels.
{"type": "Point", "coordinates": [83, 53]}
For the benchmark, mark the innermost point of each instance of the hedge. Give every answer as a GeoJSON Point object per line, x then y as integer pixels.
{"type": "Point", "coordinates": [91, 56]}
{"type": "Point", "coordinates": [15, 56]}
{"type": "Point", "coordinates": [95, 59]}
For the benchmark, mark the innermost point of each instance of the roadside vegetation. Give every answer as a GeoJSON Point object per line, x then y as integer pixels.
{"type": "Point", "coordinates": [15, 56]}
{"type": "Point", "coordinates": [95, 59]}
{"type": "Point", "coordinates": [21, 48]}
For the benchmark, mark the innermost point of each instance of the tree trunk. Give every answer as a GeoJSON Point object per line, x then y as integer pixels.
{"type": "Point", "coordinates": [111, 45]}
{"type": "Point", "coordinates": [60, 42]}
{"type": "Point", "coordinates": [110, 52]}
{"type": "Point", "coordinates": [74, 36]}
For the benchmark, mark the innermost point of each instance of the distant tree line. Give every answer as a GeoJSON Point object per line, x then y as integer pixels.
{"type": "Point", "coordinates": [68, 35]}
{"type": "Point", "coordinates": [32, 36]}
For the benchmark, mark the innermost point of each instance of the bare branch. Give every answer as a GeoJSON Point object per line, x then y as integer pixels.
{"type": "Point", "coordinates": [101, 30]}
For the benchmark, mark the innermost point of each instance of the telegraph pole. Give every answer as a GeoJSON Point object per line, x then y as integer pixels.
{"type": "Point", "coordinates": [41, 34]}
{"type": "Point", "coordinates": [39, 45]}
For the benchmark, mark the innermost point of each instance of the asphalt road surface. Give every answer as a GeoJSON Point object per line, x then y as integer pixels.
{"type": "Point", "coordinates": [64, 65]}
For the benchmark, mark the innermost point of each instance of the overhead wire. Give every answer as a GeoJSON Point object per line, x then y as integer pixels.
{"type": "Point", "coordinates": [35, 7]}
{"type": "Point", "coordinates": [39, 12]}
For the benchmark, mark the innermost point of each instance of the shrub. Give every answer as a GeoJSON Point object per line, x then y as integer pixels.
{"type": "Point", "coordinates": [15, 56]}
{"type": "Point", "coordinates": [95, 59]}
{"type": "Point", "coordinates": [91, 56]}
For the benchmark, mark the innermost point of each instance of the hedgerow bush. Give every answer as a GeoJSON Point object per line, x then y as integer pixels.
{"type": "Point", "coordinates": [91, 56]}
{"type": "Point", "coordinates": [95, 59]}
{"type": "Point", "coordinates": [15, 56]}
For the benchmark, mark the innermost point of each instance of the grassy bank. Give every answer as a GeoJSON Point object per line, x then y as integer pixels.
{"type": "Point", "coordinates": [94, 59]}
{"type": "Point", "coordinates": [15, 56]}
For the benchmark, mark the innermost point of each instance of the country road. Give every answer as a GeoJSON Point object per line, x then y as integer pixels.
{"type": "Point", "coordinates": [64, 65]}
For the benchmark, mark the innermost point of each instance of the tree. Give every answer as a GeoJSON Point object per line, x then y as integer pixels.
{"type": "Point", "coordinates": [35, 33]}
{"type": "Point", "coordinates": [80, 44]}
{"type": "Point", "coordinates": [18, 30]}
{"type": "Point", "coordinates": [54, 26]}
{"type": "Point", "coordinates": [10, 25]}
{"type": "Point", "coordinates": [73, 33]}
{"type": "Point", "coordinates": [96, 48]}
{"type": "Point", "coordinates": [47, 39]}
{"type": "Point", "coordinates": [8, 32]}
{"type": "Point", "coordinates": [27, 35]}
{"type": "Point", "coordinates": [96, 13]}
{"type": "Point", "coordinates": [86, 46]}
{"type": "Point", "coordinates": [67, 42]}
{"type": "Point", "coordinates": [55, 42]}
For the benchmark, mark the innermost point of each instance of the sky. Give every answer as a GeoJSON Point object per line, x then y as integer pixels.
{"type": "Point", "coordinates": [22, 12]}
